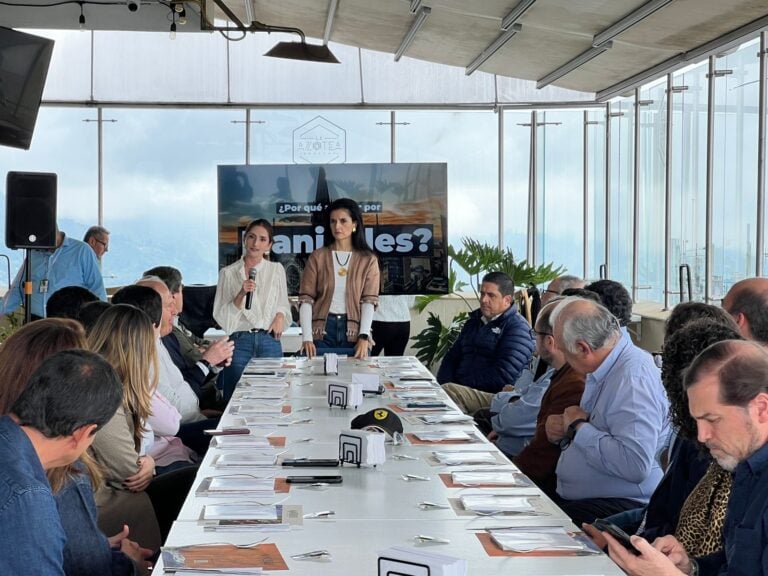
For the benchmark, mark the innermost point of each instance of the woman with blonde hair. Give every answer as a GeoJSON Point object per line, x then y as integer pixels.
{"type": "Point", "coordinates": [87, 551]}
{"type": "Point", "coordinates": [125, 337]}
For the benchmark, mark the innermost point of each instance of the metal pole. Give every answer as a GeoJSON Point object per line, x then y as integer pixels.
{"type": "Point", "coordinates": [607, 262]}
{"type": "Point", "coordinates": [760, 241]}
{"type": "Point", "coordinates": [531, 247]}
{"type": "Point", "coordinates": [710, 180]}
{"type": "Point", "coordinates": [392, 121]}
{"type": "Point", "coordinates": [668, 195]}
{"type": "Point", "coordinates": [100, 160]}
{"type": "Point", "coordinates": [585, 192]}
{"type": "Point", "coordinates": [247, 136]}
{"type": "Point", "coordinates": [500, 112]}
{"type": "Point", "coordinates": [636, 201]}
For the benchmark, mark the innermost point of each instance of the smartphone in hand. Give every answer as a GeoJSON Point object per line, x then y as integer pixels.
{"type": "Point", "coordinates": [619, 534]}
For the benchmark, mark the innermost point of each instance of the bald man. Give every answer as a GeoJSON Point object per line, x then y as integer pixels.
{"type": "Point", "coordinates": [747, 302]}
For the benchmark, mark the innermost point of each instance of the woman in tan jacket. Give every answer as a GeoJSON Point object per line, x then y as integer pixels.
{"type": "Point", "coordinates": [340, 286]}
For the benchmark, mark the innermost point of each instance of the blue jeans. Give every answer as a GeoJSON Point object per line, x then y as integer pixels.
{"type": "Point", "coordinates": [247, 345]}
{"type": "Point", "coordinates": [335, 337]}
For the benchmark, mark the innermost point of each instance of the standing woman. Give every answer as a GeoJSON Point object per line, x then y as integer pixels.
{"type": "Point", "coordinates": [340, 286]}
{"type": "Point", "coordinates": [255, 330]}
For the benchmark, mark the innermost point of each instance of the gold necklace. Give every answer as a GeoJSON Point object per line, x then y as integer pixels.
{"type": "Point", "coordinates": [342, 265]}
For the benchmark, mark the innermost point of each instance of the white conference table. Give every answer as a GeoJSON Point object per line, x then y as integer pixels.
{"type": "Point", "coordinates": [374, 508]}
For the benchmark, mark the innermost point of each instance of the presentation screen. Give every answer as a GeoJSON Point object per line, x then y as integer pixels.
{"type": "Point", "coordinates": [404, 210]}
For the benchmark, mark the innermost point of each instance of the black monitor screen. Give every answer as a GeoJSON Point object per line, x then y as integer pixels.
{"type": "Point", "coordinates": [24, 61]}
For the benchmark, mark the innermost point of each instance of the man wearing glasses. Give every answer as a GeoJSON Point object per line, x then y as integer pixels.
{"type": "Point", "coordinates": [97, 237]}
{"type": "Point", "coordinates": [557, 286]}
{"type": "Point", "coordinates": [609, 441]}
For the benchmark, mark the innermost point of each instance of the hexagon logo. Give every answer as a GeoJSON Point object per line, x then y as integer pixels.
{"type": "Point", "coordinates": [319, 141]}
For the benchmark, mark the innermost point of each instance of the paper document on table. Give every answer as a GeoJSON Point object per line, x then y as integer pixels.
{"type": "Point", "coordinates": [239, 460]}
{"type": "Point", "coordinates": [242, 511]}
{"type": "Point", "coordinates": [466, 457]}
{"type": "Point", "coordinates": [227, 558]}
{"type": "Point", "coordinates": [530, 538]}
{"type": "Point", "coordinates": [442, 435]}
{"type": "Point", "coordinates": [258, 409]}
{"type": "Point", "coordinates": [490, 503]}
{"type": "Point", "coordinates": [403, 561]}
{"type": "Point", "coordinates": [490, 479]}
{"type": "Point", "coordinates": [448, 418]}
{"type": "Point", "coordinates": [236, 486]}
{"type": "Point", "coordinates": [240, 442]}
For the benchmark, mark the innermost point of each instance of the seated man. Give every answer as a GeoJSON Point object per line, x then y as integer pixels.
{"type": "Point", "coordinates": [196, 367]}
{"type": "Point", "coordinates": [558, 285]}
{"type": "Point", "coordinates": [608, 441]}
{"type": "Point", "coordinates": [538, 458]}
{"type": "Point", "coordinates": [727, 395]}
{"type": "Point", "coordinates": [68, 398]}
{"type": "Point", "coordinates": [513, 413]}
{"type": "Point", "coordinates": [493, 348]}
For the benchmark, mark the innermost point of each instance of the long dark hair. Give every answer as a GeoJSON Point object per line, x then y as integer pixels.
{"type": "Point", "coordinates": [359, 243]}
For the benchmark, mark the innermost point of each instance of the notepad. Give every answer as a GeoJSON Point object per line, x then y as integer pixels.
{"type": "Point", "coordinates": [529, 539]}
{"type": "Point", "coordinates": [223, 558]}
{"type": "Point", "coordinates": [489, 479]}
{"type": "Point", "coordinates": [236, 486]}
{"type": "Point", "coordinates": [489, 503]}
{"type": "Point", "coordinates": [449, 418]}
{"type": "Point", "coordinates": [239, 442]}
{"type": "Point", "coordinates": [240, 460]}
{"type": "Point", "coordinates": [442, 435]}
{"type": "Point", "coordinates": [457, 458]}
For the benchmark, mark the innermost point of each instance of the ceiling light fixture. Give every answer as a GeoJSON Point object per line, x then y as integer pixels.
{"type": "Point", "coordinates": [516, 13]}
{"type": "Point", "coordinates": [416, 25]}
{"type": "Point", "coordinates": [290, 50]}
{"type": "Point", "coordinates": [81, 20]}
{"type": "Point", "coordinates": [628, 21]}
{"type": "Point", "coordinates": [492, 48]}
{"type": "Point", "coordinates": [570, 66]}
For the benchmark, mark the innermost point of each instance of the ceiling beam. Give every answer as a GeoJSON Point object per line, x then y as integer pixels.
{"type": "Point", "coordinates": [332, 4]}
{"type": "Point", "coordinates": [492, 48]}
{"type": "Point", "coordinates": [416, 25]}
{"type": "Point", "coordinates": [516, 13]}
{"type": "Point", "coordinates": [628, 21]}
{"type": "Point", "coordinates": [571, 65]}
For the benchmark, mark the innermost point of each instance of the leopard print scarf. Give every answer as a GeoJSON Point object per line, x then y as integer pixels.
{"type": "Point", "coordinates": [700, 527]}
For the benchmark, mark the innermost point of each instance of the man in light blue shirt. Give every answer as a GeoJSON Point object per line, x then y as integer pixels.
{"type": "Point", "coordinates": [72, 263]}
{"type": "Point", "coordinates": [610, 440]}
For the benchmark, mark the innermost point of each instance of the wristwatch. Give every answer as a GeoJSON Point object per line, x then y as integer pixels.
{"type": "Point", "coordinates": [572, 426]}
{"type": "Point", "coordinates": [362, 336]}
{"type": "Point", "coordinates": [205, 363]}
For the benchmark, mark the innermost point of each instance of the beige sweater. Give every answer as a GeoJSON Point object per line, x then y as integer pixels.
{"type": "Point", "coordinates": [318, 282]}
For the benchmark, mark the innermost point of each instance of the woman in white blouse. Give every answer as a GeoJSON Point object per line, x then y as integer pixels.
{"type": "Point", "coordinates": [255, 330]}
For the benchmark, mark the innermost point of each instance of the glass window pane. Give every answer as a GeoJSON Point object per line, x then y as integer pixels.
{"type": "Point", "coordinates": [517, 157]}
{"type": "Point", "coordinates": [364, 135]}
{"type": "Point", "coordinates": [689, 165]}
{"type": "Point", "coordinates": [734, 214]}
{"type": "Point", "coordinates": [596, 193]}
{"type": "Point", "coordinates": [160, 190]}
{"type": "Point", "coordinates": [653, 144]}
{"type": "Point", "coordinates": [622, 191]}
{"type": "Point", "coordinates": [560, 223]}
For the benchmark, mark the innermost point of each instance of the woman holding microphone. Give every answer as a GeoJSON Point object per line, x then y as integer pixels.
{"type": "Point", "coordinates": [251, 304]}
{"type": "Point", "coordinates": [340, 286]}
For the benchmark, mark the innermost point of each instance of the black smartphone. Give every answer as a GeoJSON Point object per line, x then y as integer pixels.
{"type": "Point", "coordinates": [310, 462]}
{"type": "Point", "coordinates": [313, 479]}
{"type": "Point", "coordinates": [621, 536]}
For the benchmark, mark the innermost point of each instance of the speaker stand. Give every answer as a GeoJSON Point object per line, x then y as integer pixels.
{"type": "Point", "coordinates": [28, 287]}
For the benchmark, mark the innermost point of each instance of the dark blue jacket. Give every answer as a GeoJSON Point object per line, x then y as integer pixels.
{"type": "Point", "coordinates": [488, 356]}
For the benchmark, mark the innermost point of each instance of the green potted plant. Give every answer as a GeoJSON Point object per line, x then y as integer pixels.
{"type": "Point", "coordinates": [476, 259]}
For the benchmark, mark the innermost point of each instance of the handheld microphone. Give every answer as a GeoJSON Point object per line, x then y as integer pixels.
{"type": "Point", "coordinates": [249, 296]}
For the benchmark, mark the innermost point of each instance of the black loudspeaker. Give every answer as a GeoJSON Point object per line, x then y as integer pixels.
{"type": "Point", "coordinates": [30, 210]}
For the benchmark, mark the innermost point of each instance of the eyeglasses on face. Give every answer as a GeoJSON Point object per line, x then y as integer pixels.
{"type": "Point", "coordinates": [105, 244]}
{"type": "Point", "coordinates": [533, 332]}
